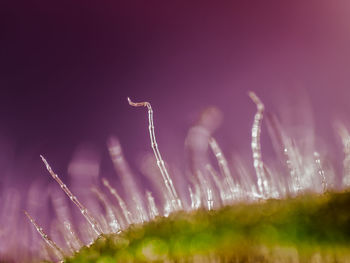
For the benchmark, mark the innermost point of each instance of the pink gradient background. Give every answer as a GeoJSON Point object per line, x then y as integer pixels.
{"type": "Point", "coordinates": [68, 66]}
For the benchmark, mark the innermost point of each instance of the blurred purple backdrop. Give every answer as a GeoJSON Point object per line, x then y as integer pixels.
{"type": "Point", "coordinates": [68, 66]}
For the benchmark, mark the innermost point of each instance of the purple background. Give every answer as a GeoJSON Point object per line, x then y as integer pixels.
{"type": "Point", "coordinates": [66, 68]}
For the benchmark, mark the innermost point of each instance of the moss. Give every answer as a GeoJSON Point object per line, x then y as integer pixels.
{"type": "Point", "coordinates": [302, 229]}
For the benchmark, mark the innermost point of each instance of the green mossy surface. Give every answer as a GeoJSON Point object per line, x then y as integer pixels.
{"type": "Point", "coordinates": [309, 228]}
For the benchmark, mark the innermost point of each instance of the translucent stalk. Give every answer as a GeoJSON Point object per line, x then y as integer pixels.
{"type": "Point", "coordinates": [345, 138]}
{"type": "Point", "coordinates": [160, 163]}
{"type": "Point", "coordinates": [219, 157]}
{"type": "Point", "coordinates": [62, 212]}
{"type": "Point", "coordinates": [206, 191]}
{"type": "Point", "coordinates": [93, 223]}
{"type": "Point", "coordinates": [153, 211]}
{"type": "Point", "coordinates": [114, 226]}
{"type": "Point", "coordinates": [320, 171]}
{"type": "Point", "coordinates": [225, 194]}
{"type": "Point", "coordinates": [70, 237]}
{"type": "Point", "coordinates": [57, 250]}
{"type": "Point", "coordinates": [127, 178]}
{"type": "Point", "coordinates": [284, 149]}
{"type": "Point", "coordinates": [225, 171]}
{"type": "Point", "coordinates": [195, 197]}
{"type": "Point", "coordinates": [293, 164]}
{"type": "Point", "coordinates": [121, 202]}
{"type": "Point", "coordinates": [256, 146]}
{"type": "Point", "coordinates": [248, 188]}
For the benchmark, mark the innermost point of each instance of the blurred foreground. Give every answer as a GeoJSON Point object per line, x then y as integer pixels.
{"type": "Point", "coordinates": [309, 228]}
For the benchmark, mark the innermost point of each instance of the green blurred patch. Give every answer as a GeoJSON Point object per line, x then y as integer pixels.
{"type": "Point", "coordinates": [309, 228]}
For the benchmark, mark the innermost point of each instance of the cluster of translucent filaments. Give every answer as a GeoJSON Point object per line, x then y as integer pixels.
{"type": "Point", "coordinates": [210, 185]}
